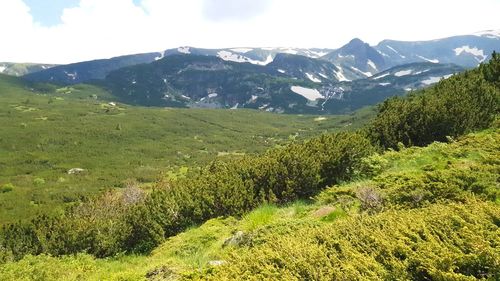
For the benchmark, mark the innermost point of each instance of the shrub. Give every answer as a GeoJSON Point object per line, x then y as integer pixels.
{"type": "Point", "coordinates": [453, 107]}
{"type": "Point", "coordinates": [8, 187]}
{"type": "Point", "coordinates": [442, 242]}
{"type": "Point", "coordinates": [39, 181]}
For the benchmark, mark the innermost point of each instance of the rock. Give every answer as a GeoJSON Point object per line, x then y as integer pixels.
{"type": "Point", "coordinates": [237, 239]}
{"type": "Point", "coordinates": [216, 263]}
{"type": "Point", "coordinates": [75, 171]}
{"type": "Point", "coordinates": [161, 273]}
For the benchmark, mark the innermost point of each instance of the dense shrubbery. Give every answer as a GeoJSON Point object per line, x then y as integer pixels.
{"type": "Point", "coordinates": [115, 223]}
{"type": "Point", "coordinates": [110, 225]}
{"type": "Point", "coordinates": [455, 106]}
{"type": "Point", "coordinates": [441, 242]}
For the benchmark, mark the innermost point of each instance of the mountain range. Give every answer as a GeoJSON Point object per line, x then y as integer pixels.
{"type": "Point", "coordinates": [290, 80]}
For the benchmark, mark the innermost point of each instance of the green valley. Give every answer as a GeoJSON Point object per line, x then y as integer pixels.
{"type": "Point", "coordinates": [48, 130]}
{"type": "Point", "coordinates": [304, 237]}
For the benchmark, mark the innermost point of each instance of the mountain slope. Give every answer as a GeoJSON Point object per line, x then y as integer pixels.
{"type": "Point", "coordinates": [259, 56]}
{"type": "Point", "coordinates": [467, 51]}
{"type": "Point", "coordinates": [20, 69]}
{"type": "Point", "coordinates": [207, 81]}
{"type": "Point", "coordinates": [300, 67]}
{"type": "Point", "coordinates": [291, 84]}
{"type": "Point", "coordinates": [392, 82]}
{"type": "Point", "coordinates": [89, 70]}
{"type": "Point", "coordinates": [359, 56]}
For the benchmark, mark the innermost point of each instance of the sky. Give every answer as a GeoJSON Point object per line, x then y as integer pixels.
{"type": "Point", "coordinates": [77, 30]}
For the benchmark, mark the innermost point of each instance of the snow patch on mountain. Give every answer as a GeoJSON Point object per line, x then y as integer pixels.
{"type": "Point", "coordinates": [382, 53]}
{"type": "Point", "coordinates": [381, 76]}
{"type": "Point", "coordinates": [403, 73]}
{"type": "Point", "coordinates": [281, 71]}
{"type": "Point", "coordinates": [473, 51]}
{"type": "Point", "coordinates": [420, 72]}
{"type": "Point", "coordinates": [252, 99]}
{"type": "Point", "coordinates": [347, 56]}
{"type": "Point", "coordinates": [367, 74]}
{"type": "Point", "coordinates": [268, 60]}
{"type": "Point", "coordinates": [384, 84]}
{"type": "Point", "coordinates": [323, 75]}
{"type": "Point", "coordinates": [397, 53]}
{"type": "Point", "coordinates": [340, 75]}
{"type": "Point", "coordinates": [289, 51]}
{"type": "Point", "coordinates": [242, 50]}
{"type": "Point", "coordinates": [162, 55]}
{"type": "Point", "coordinates": [429, 60]}
{"type": "Point", "coordinates": [229, 56]}
{"type": "Point", "coordinates": [312, 78]}
{"type": "Point", "coordinates": [372, 64]}
{"type": "Point", "coordinates": [310, 94]}
{"type": "Point", "coordinates": [2, 69]}
{"type": "Point", "coordinates": [71, 76]}
{"type": "Point", "coordinates": [435, 79]}
{"type": "Point", "coordinates": [315, 55]}
{"type": "Point", "coordinates": [184, 50]}
{"type": "Point", "coordinates": [493, 34]}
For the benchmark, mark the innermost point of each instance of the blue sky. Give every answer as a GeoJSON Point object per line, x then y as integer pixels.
{"type": "Point", "coordinates": [49, 14]}
{"type": "Point", "coordinates": [65, 31]}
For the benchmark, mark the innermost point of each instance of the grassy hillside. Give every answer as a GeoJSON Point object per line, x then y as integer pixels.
{"type": "Point", "coordinates": [342, 232]}
{"type": "Point", "coordinates": [330, 206]}
{"type": "Point", "coordinates": [46, 131]}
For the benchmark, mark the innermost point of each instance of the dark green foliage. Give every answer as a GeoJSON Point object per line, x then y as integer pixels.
{"type": "Point", "coordinates": [108, 225]}
{"type": "Point", "coordinates": [237, 186]}
{"type": "Point", "coordinates": [455, 106]}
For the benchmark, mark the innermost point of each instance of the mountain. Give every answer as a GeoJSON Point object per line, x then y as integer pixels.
{"type": "Point", "coordinates": [98, 69]}
{"type": "Point", "coordinates": [355, 60]}
{"type": "Point", "coordinates": [392, 82]}
{"type": "Point", "coordinates": [89, 70]}
{"type": "Point", "coordinates": [20, 69]}
{"type": "Point", "coordinates": [207, 81]}
{"type": "Point", "coordinates": [305, 68]}
{"type": "Point", "coordinates": [467, 50]}
{"type": "Point", "coordinates": [290, 84]}
{"type": "Point", "coordinates": [358, 56]}
{"type": "Point", "coordinates": [259, 56]}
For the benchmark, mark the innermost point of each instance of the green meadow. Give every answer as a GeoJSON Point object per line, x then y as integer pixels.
{"type": "Point", "coordinates": [47, 130]}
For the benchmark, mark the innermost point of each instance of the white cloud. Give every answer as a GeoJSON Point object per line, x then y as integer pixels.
{"type": "Point", "coordinates": [223, 10]}
{"type": "Point", "coordinates": [100, 29]}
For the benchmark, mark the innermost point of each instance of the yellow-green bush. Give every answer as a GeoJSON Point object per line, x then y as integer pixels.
{"type": "Point", "coordinates": [441, 242]}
